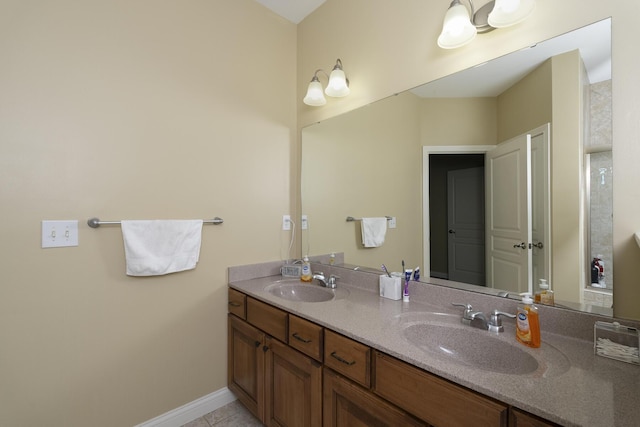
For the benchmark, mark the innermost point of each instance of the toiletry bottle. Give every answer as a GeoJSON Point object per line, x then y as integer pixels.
{"type": "Point", "coordinates": [407, 279]}
{"type": "Point", "coordinates": [306, 270]}
{"type": "Point", "coordinates": [544, 295]}
{"type": "Point", "coordinates": [332, 258]}
{"type": "Point", "coordinates": [527, 322]}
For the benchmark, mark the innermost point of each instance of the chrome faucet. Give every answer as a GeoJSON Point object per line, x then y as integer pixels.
{"type": "Point", "coordinates": [477, 319]}
{"type": "Point", "coordinates": [330, 282]}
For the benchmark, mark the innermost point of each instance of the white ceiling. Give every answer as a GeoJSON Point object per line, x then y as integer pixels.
{"type": "Point", "coordinates": [293, 10]}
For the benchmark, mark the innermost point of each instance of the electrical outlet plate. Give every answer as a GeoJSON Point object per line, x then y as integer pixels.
{"type": "Point", "coordinates": [304, 222]}
{"type": "Point", "coordinates": [286, 222]}
{"type": "Point", "coordinates": [59, 234]}
{"type": "Point", "coordinates": [392, 222]}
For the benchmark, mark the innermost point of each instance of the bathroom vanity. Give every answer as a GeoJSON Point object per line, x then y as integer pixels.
{"type": "Point", "coordinates": [308, 356]}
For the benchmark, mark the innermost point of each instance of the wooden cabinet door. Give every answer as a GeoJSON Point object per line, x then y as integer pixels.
{"type": "Point", "coordinates": [246, 346]}
{"type": "Point", "coordinates": [346, 404]}
{"type": "Point", "coordinates": [293, 388]}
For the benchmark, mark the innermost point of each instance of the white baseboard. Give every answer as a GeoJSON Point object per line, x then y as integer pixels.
{"type": "Point", "coordinates": [192, 410]}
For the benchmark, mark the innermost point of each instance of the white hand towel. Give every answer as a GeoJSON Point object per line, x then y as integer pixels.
{"type": "Point", "coordinates": [373, 231]}
{"type": "Point", "coordinates": [158, 247]}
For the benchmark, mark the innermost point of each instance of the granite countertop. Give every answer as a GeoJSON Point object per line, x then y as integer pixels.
{"type": "Point", "coordinates": [571, 385]}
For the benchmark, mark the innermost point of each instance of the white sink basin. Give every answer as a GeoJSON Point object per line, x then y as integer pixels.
{"type": "Point", "coordinates": [294, 290]}
{"type": "Point", "coordinates": [444, 336]}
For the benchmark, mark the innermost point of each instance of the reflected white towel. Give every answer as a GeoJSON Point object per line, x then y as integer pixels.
{"type": "Point", "coordinates": [157, 247]}
{"type": "Point", "coordinates": [373, 231]}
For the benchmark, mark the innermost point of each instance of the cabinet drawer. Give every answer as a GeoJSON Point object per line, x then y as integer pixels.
{"type": "Point", "coordinates": [518, 418]}
{"type": "Point", "coordinates": [270, 319]}
{"type": "Point", "coordinates": [348, 357]}
{"type": "Point", "coordinates": [432, 399]}
{"type": "Point", "coordinates": [306, 337]}
{"type": "Point", "coordinates": [238, 303]}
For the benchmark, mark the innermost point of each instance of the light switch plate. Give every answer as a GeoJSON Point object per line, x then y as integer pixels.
{"type": "Point", "coordinates": [304, 222]}
{"type": "Point", "coordinates": [59, 234]}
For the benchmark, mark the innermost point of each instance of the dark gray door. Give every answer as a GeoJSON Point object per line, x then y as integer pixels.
{"type": "Point", "coordinates": [466, 225]}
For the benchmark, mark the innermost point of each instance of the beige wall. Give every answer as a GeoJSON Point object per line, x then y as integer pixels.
{"type": "Point", "coordinates": [527, 104]}
{"type": "Point", "coordinates": [359, 165]}
{"type": "Point", "coordinates": [133, 110]}
{"type": "Point", "coordinates": [381, 59]}
{"type": "Point", "coordinates": [567, 182]}
{"type": "Point", "coordinates": [440, 120]}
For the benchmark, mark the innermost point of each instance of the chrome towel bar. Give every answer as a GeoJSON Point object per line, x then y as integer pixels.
{"type": "Point", "coordinates": [95, 222]}
{"type": "Point", "coordinates": [350, 218]}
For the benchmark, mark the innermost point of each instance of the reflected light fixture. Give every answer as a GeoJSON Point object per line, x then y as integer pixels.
{"type": "Point", "coordinates": [461, 25]}
{"type": "Point", "coordinates": [337, 87]}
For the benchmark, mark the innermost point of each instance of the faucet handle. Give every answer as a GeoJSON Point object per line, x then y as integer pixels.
{"type": "Point", "coordinates": [495, 322]}
{"type": "Point", "coordinates": [467, 307]}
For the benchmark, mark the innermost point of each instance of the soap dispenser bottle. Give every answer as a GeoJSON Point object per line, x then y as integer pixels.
{"type": "Point", "coordinates": [528, 322]}
{"type": "Point", "coordinates": [306, 270]}
{"type": "Point", "coordinates": [544, 295]}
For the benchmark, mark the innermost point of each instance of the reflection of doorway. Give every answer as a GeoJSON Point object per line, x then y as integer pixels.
{"type": "Point", "coordinates": [456, 212]}
{"type": "Point", "coordinates": [537, 243]}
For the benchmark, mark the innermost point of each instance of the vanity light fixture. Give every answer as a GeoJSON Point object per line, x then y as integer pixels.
{"type": "Point", "coordinates": [461, 25]}
{"type": "Point", "coordinates": [337, 87]}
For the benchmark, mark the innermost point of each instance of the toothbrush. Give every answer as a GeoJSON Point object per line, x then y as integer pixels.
{"type": "Point", "coordinates": [407, 279]}
{"type": "Point", "coordinates": [416, 274]}
{"type": "Point", "coordinates": [384, 268]}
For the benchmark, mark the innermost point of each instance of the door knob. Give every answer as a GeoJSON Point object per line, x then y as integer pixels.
{"type": "Point", "coordinates": [451, 231]}
{"type": "Point", "coordinates": [538, 245]}
{"type": "Point", "coordinates": [522, 245]}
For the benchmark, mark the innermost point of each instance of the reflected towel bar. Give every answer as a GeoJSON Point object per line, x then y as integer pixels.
{"type": "Point", "coordinates": [95, 222]}
{"type": "Point", "coordinates": [350, 218]}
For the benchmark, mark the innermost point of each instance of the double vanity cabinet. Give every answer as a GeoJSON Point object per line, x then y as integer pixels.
{"type": "Point", "coordinates": [289, 371]}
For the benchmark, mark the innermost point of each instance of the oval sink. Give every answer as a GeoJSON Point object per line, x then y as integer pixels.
{"type": "Point", "coordinates": [297, 291]}
{"type": "Point", "coordinates": [475, 348]}
{"type": "Point", "coordinates": [443, 335]}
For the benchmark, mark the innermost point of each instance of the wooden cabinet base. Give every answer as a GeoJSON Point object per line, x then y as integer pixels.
{"type": "Point", "coordinates": [349, 405]}
{"type": "Point", "coordinates": [436, 400]}
{"type": "Point", "coordinates": [245, 360]}
{"type": "Point", "coordinates": [293, 388]}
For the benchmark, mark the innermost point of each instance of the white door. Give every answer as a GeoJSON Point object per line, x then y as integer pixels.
{"type": "Point", "coordinates": [541, 211]}
{"type": "Point", "coordinates": [465, 224]}
{"type": "Point", "coordinates": [508, 222]}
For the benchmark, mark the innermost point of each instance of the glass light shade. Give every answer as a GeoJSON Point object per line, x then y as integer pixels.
{"type": "Point", "coordinates": [314, 96]}
{"type": "Point", "coordinates": [337, 86]}
{"type": "Point", "coordinates": [457, 29]}
{"type": "Point", "coordinates": [506, 13]}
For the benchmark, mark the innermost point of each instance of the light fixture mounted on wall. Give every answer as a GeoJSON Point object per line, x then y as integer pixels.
{"type": "Point", "coordinates": [461, 25]}
{"type": "Point", "coordinates": [337, 87]}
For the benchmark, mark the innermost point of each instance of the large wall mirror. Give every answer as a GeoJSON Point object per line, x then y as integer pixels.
{"type": "Point", "coordinates": [401, 156]}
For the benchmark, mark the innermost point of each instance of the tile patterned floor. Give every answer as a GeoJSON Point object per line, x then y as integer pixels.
{"type": "Point", "coordinates": [232, 415]}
